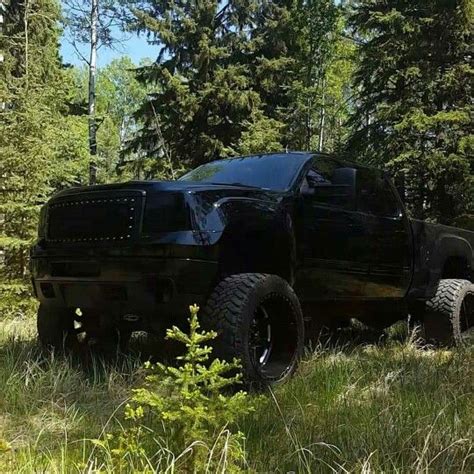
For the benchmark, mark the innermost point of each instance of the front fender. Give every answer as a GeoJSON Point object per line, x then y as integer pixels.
{"type": "Point", "coordinates": [255, 235]}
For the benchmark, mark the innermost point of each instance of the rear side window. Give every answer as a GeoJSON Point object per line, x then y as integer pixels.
{"type": "Point", "coordinates": [375, 195]}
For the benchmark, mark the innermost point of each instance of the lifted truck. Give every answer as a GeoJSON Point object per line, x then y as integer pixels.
{"type": "Point", "coordinates": [269, 245]}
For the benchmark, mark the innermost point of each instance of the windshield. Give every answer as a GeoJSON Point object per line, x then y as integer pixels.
{"type": "Point", "coordinates": [275, 171]}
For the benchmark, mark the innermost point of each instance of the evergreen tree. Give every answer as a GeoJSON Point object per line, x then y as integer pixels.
{"type": "Point", "coordinates": [243, 77]}
{"type": "Point", "coordinates": [275, 48]}
{"type": "Point", "coordinates": [414, 111]}
{"type": "Point", "coordinates": [203, 99]}
{"type": "Point", "coordinates": [40, 149]}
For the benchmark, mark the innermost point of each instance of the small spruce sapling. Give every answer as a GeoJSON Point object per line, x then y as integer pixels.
{"type": "Point", "coordinates": [187, 408]}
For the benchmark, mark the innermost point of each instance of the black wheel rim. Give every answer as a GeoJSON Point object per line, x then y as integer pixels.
{"type": "Point", "coordinates": [261, 337]}
{"type": "Point", "coordinates": [273, 338]}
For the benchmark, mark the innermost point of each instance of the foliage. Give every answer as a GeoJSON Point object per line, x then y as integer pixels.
{"type": "Point", "coordinates": [186, 407]}
{"type": "Point", "coordinates": [16, 300]}
{"type": "Point", "coordinates": [369, 407]}
{"type": "Point", "coordinates": [335, 412]}
{"type": "Point", "coordinates": [42, 148]}
{"type": "Point", "coordinates": [95, 23]}
{"type": "Point", "coordinates": [260, 134]}
{"type": "Point", "coordinates": [202, 95]}
{"type": "Point", "coordinates": [118, 95]}
{"type": "Point", "coordinates": [320, 93]}
{"type": "Point", "coordinates": [414, 108]}
{"type": "Point", "coordinates": [236, 77]}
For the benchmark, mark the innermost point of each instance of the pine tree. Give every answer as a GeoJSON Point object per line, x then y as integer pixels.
{"type": "Point", "coordinates": [414, 112]}
{"type": "Point", "coordinates": [190, 404]}
{"type": "Point", "coordinates": [203, 98]}
{"type": "Point", "coordinates": [40, 148]}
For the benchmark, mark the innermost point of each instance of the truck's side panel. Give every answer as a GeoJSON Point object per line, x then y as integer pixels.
{"type": "Point", "coordinates": [439, 252]}
{"type": "Point", "coordinates": [388, 236]}
{"type": "Point", "coordinates": [331, 238]}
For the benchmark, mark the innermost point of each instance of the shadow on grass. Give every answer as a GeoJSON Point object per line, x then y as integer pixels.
{"type": "Point", "coordinates": [356, 334]}
{"type": "Point", "coordinates": [96, 364]}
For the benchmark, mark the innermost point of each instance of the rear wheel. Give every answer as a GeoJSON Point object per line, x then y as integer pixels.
{"type": "Point", "coordinates": [258, 319]}
{"type": "Point", "coordinates": [449, 315]}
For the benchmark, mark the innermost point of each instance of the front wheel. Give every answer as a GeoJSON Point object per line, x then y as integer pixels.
{"type": "Point", "coordinates": [259, 321]}
{"type": "Point", "coordinates": [55, 327]}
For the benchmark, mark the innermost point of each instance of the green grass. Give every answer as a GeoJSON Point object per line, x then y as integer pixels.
{"type": "Point", "coordinates": [362, 407]}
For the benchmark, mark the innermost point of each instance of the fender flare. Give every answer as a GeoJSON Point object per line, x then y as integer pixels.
{"type": "Point", "coordinates": [446, 247]}
{"type": "Point", "coordinates": [265, 238]}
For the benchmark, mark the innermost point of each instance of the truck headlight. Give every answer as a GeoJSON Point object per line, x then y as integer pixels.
{"type": "Point", "coordinates": [165, 212]}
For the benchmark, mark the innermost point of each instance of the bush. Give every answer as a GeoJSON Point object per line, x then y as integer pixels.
{"type": "Point", "coordinates": [183, 415]}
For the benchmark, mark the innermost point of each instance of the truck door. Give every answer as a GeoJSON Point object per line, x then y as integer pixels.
{"type": "Point", "coordinates": [332, 238]}
{"type": "Point", "coordinates": [389, 236]}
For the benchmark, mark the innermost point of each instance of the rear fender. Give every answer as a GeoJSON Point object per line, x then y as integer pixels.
{"type": "Point", "coordinates": [448, 246]}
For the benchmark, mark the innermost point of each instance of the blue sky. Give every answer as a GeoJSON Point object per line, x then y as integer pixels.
{"type": "Point", "coordinates": [131, 45]}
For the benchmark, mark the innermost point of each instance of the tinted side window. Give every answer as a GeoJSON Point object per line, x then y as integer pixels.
{"type": "Point", "coordinates": [324, 187]}
{"type": "Point", "coordinates": [375, 196]}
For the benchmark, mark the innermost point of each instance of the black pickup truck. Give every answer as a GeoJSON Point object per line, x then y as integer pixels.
{"type": "Point", "coordinates": [270, 246]}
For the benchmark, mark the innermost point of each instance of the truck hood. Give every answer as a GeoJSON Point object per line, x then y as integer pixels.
{"type": "Point", "coordinates": [172, 186]}
{"type": "Point", "coordinates": [140, 210]}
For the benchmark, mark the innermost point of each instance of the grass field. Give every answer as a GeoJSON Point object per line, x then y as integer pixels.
{"type": "Point", "coordinates": [353, 407]}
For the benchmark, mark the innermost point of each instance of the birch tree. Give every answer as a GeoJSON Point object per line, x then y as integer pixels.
{"type": "Point", "coordinates": [93, 24]}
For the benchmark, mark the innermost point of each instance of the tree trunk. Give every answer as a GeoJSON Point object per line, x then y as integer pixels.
{"type": "Point", "coordinates": [92, 81]}
{"type": "Point", "coordinates": [322, 119]}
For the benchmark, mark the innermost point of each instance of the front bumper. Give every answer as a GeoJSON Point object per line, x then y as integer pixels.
{"type": "Point", "coordinates": [148, 289]}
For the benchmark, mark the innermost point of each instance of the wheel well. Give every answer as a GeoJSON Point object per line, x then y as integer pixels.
{"type": "Point", "coordinates": [258, 252]}
{"type": "Point", "coordinates": [457, 267]}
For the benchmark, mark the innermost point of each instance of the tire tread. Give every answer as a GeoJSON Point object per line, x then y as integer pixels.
{"type": "Point", "coordinates": [442, 320]}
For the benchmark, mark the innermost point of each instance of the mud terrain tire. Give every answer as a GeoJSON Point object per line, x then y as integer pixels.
{"type": "Point", "coordinates": [449, 314]}
{"type": "Point", "coordinates": [259, 321]}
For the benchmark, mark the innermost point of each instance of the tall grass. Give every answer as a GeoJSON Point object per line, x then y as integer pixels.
{"type": "Point", "coordinates": [50, 406]}
{"type": "Point", "coordinates": [366, 407]}
{"type": "Point", "coordinates": [370, 408]}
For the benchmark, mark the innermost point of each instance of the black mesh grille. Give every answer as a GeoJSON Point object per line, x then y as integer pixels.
{"type": "Point", "coordinates": [89, 219]}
